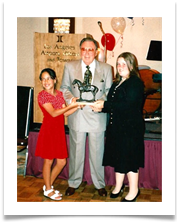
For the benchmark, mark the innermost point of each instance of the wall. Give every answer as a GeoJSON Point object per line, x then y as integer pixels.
{"type": "Point", "coordinates": [136, 39]}
{"type": "Point", "coordinates": [26, 26]}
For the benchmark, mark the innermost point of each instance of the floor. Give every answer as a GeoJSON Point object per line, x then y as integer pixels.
{"type": "Point", "coordinates": [29, 189]}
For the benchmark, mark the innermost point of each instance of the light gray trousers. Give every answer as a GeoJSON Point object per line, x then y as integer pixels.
{"type": "Point", "coordinates": [77, 157]}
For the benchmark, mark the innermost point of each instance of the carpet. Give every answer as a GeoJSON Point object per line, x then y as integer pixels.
{"type": "Point", "coordinates": [21, 153]}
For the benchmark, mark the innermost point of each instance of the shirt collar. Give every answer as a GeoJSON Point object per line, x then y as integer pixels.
{"type": "Point", "coordinates": [92, 65]}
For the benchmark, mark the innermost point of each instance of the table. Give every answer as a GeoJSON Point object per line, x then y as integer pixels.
{"type": "Point", "coordinates": [149, 177]}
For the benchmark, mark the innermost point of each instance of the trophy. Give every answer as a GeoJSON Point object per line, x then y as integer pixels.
{"type": "Point", "coordinates": [85, 87]}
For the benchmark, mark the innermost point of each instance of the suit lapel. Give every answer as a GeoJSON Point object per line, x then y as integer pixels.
{"type": "Point", "coordinates": [98, 76]}
{"type": "Point", "coordinates": [78, 71]}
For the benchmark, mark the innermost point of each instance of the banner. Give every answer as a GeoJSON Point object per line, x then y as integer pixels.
{"type": "Point", "coordinates": [53, 50]}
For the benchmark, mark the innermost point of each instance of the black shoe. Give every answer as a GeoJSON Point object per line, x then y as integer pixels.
{"type": "Point", "coordinates": [117, 194]}
{"type": "Point", "coordinates": [133, 200]}
{"type": "Point", "coordinates": [70, 191]}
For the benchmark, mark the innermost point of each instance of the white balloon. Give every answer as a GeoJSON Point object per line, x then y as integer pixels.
{"type": "Point", "coordinates": [118, 24]}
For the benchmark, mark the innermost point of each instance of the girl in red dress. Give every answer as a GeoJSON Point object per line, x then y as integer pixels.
{"type": "Point", "coordinates": [51, 142]}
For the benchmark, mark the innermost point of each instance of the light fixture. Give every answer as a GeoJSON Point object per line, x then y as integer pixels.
{"type": "Point", "coordinates": [61, 25]}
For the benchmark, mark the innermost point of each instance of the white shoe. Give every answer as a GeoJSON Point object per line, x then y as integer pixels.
{"type": "Point", "coordinates": [53, 197]}
{"type": "Point", "coordinates": [56, 191]}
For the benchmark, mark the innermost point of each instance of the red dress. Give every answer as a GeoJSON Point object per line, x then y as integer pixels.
{"type": "Point", "coordinates": [51, 141]}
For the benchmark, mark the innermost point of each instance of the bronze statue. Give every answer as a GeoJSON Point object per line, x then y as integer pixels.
{"type": "Point", "coordinates": [85, 87]}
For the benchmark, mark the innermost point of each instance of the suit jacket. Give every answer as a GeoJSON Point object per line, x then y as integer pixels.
{"type": "Point", "coordinates": [86, 120]}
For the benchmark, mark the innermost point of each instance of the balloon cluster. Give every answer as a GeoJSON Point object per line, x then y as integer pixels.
{"type": "Point", "coordinates": [108, 41]}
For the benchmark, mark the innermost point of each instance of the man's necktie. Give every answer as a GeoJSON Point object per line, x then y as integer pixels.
{"type": "Point", "coordinates": [88, 76]}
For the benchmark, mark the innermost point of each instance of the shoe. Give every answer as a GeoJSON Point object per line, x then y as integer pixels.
{"type": "Point", "coordinates": [53, 197]}
{"type": "Point", "coordinates": [56, 191]}
{"type": "Point", "coordinates": [102, 192]}
{"type": "Point", "coordinates": [117, 194]}
{"type": "Point", "coordinates": [133, 200]}
{"type": "Point", "coordinates": [70, 191]}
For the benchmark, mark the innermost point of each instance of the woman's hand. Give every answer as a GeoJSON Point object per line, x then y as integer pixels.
{"type": "Point", "coordinates": [97, 106]}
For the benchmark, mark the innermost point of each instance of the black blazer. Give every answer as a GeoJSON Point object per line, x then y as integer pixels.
{"type": "Point", "coordinates": [125, 103]}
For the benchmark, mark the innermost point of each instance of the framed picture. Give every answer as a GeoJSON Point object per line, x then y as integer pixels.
{"type": "Point", "coordinates": [61, 24]}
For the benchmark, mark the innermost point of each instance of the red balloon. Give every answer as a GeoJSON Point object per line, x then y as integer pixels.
{"type": "Point", "coordinates": [110, 41]}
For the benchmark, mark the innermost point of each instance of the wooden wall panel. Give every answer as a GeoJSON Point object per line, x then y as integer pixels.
{"type": "Point", "coordinates": [52, 50]}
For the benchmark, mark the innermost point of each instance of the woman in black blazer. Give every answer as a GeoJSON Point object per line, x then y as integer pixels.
{"type": "Point", "coordinates": [124, 148]}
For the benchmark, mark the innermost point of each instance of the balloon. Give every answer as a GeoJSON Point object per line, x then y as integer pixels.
{"type": "Point", "coordinates": [110, 41]}
{"type": "Point", "coordinates": [101, 55]}
{"type": "Point", "coordinates": [118, 24]}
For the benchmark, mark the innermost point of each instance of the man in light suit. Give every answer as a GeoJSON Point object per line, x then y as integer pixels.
{"type": "Point", "coordinates": [85, 120]}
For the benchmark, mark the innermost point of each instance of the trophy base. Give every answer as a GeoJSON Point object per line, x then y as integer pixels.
{"type": "Point", "coordinates": [85, 102]}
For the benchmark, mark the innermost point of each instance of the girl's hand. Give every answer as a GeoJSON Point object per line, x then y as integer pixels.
{"type": "Point", "coordinates": [80, 106]}
{"type": "Point", "coordinates": [72, 108]}
{"type": "Point", "coordinates": [73, 104]}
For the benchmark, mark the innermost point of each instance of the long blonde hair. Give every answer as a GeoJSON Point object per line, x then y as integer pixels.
{"type": "Point", "coordinates": [132, 65]}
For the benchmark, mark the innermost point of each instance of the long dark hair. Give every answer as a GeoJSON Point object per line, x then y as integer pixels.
{"type": "Point", "coordinates": [51, 73]}
{"type": "Point", "coordinates": [132, 65]}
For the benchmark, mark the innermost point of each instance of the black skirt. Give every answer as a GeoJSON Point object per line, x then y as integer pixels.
{"type": "Point", "coordinates": [124, 148]}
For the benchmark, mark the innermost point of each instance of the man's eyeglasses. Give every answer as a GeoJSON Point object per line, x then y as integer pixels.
{"type": "Point", "coordinates": [90, 50]}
